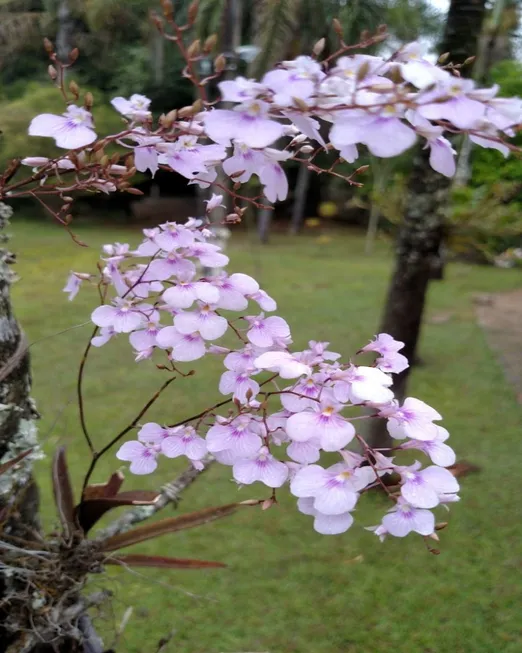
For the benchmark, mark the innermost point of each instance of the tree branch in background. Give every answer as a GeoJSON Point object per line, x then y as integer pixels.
{"type": "Point", "coordinates": [170, 494]}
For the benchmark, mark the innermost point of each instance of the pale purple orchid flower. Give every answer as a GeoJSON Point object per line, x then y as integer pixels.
{"type": "Point", "coordinates": [263, 331]}
{"type": "Point", "coordinates": [241, 360]}
{"type": "Point", "coordinates": [272, 175]}
{"type": "Point", "coordinates": [325, 524]}
{"type": "Point", "coordinates": [392, 363]}
{"type": "Point", "coordinates": [214, 202]}
{"type": "Point", "coordinates": [73, 285]}
{"type": "Point", "coordinates": [145, 339]}
{"type": "Point", "coordinates": [384, 134]}
{"type": "Point", "coordinates": [335, 489]}
{"type": "Point", "coordinates": [308, 126]}
{"type": "Point", "coordinates": [204, 320]}
{"type": "Point", "coordinates": [185, 293]}
{"type": "Point", "coordinates": [383, 343]}
{"type": "Point", "coordinates": [318, 353]}
{"type": "Point", "coordinates": [264, 301]}
{"type": "Point", "coordinates": [261, 467]}
{"type": "Point", "coordinates": [142, 457]}
{"type": "Point", "coordinates": [405, 518]}
{"type": "Point", "coordinates": [248, 123]}
{"type": "Point", "coordinates": [239, 384]}
{"type": "Point", "coordinates": [361, 384]}
{"type": "Point", "coordinates": [174, 265]}
{"type": "Point", "coordinates": [153, 433]}
{"type": "Point", "coordinates": [184, 441]}
{"type": "Point", "coordinates": [145, 152]}
{"type": "Point", "coordinates": [209, 255]}
{"type": "Point", "coordinates": [136, 107]}
{"type": "Point", "coordinates": [236, 436]}
{"type": "Point", "coordinates": [322, 421]}
{"type": "Point", "coordinates": [414, 419]}
{"type": "Point", "coordinates": [390, 360]}
{"type": "Point", "coordinates": [422, 488]}
{"type": "Point", "coordinates": [171, 236]}
{"type": "Point", "coordinates": [240, 89]}
{"type": "Point", "coordinates": [298, 80]}
{"type": "Point", "coordinates": [419, 71]}
{"type": "Point", "coordinates": [460, 109]}
{"type": "Point", "coordinates": [233, 290]}
{"type": "Point", "coordinates": [188, 157]}
{"type": "Point", "coordinates": [504, 112]}
{"type": "Point", "coordinates": [72, 130]}
{"type": "Point", "coordinates": [244, 160]}
{"type": "Point", "coordinates": [348, 68]}
{"type": "Point", "coordinates": [122, 316]}
{"type": "Point", "coordinates": [185, 347]}
{"type": "Point", "coordinates": [380, 531]}
{"type": "Point", "coordinates": [440, 454]}
{"type": "Point", "coordinates": [105, 334]}
{"type": "Point", "coordinates": [442, 154]}
{"type": "Point", "coordinates": [309, 390]}
{"type": "Point", "coordinates": [305, 452]}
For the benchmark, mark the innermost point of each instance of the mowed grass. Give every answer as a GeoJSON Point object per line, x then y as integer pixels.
{"type": "Point", "coordinates": [288, 589]}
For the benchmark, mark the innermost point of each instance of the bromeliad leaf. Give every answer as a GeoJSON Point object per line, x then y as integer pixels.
{"type": "Point", "coordinates": [63, 493]}
{"type": "Point", "coordinates": [100, 490]}
{"type": "Point", "coordinates": [4, 467]}
{"type": "Point", "coordinates": [161, 562]}
{"type": "Point", "coordinates": [92, 510]}
{"type": "Point", "coordinates": [170, 525]}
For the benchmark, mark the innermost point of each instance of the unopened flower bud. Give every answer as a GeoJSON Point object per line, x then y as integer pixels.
{"type": "Point", "coordinates": [219, 63]}
{"type": "Point", "coordinates": [193, 11]}
{"type": "Point", "coordinates": [300, 104]}
{"type": "Point", "coordinates": [337, 27]}
{"type": "Point", "coordinates": [306, 149]}
{"type": "Point", "coordinates": [210, 43]}
{"type": "Point", "coordinates": [74, 88]}
{"type": "Point", "coordinates": [443, 58]}
{"type": "Point", "coordinates": [319, 47]}
{"type": "Point", "coordinates": [88, 101]}
{"type": "Point", "coordinates": [301, 138]}
{"type": "Point", "coordinates": [194, 49]}
{"type": "Point", "coordinates": [168, 9]}
{"type": "Point", "coordinates": [52, 72]}
{"type": "Point", "coordinates": [49, 47]}
{"type": "Point", "coordinates": [73, 55]}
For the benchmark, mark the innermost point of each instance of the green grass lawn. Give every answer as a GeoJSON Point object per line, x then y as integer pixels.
{"type": "Point", "coordinates": [288, 589]}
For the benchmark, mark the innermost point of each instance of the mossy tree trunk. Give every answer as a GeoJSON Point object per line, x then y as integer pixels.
{"type": "Point", "coordinates": [419, 248]}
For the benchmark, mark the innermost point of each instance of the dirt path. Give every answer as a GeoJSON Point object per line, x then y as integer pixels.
{"type": "Point", "coordinates": [500, 316]}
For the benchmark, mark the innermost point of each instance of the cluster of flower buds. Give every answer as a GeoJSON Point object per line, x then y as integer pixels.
{"type": "Point", "coordinates": [297, 110]}
{"type": "Point", "coordinates": [285, 407]}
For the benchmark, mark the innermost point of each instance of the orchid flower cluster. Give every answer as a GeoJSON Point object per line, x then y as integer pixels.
{"type": "Point", "coordinates": [304, 106]}
{"type": "Point", "coordinates": [278, 425]}
{"type": "Point", "coordinates": [285, 408]}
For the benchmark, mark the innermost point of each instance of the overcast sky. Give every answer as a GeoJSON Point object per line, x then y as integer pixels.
{"type": "Point", "coordinates": [441, 4]}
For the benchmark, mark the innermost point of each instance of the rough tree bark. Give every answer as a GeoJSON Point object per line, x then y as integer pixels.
{"type": "Point", "coordinates": [19, 502]}
{"type": "Point", "coordinates": [419, 248]}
